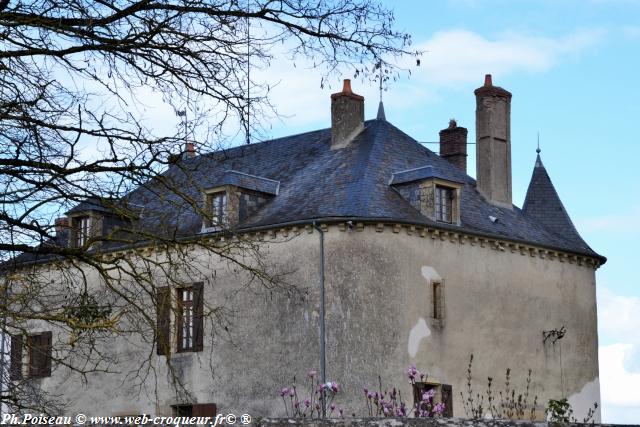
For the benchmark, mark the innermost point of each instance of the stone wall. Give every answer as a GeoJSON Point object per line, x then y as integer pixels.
{"type": "Point", "coordinates": [411, 422]}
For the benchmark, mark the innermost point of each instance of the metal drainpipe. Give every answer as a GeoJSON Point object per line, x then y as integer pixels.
{"type": "Point", "coordinates": [323, 371]}
{"type": "Point", "coordinates": [2, 349]}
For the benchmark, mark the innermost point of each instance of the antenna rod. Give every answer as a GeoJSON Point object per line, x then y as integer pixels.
{"type": "Point", "coordinates": [380, 65]}
{"type": "Point", "coordinates": [248, 136]}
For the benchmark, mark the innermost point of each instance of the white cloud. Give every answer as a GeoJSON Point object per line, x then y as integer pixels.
{"type": "Point", "coordinates": [619, 385]}
{"type": "Point", "coordinates": [460, 56]}
{"type": "Point", "coordinates": [618, 323]}
{"type": "Point", "coordinates": [618, 317]}
{"type": "Point", "coordinates": [454, 58]}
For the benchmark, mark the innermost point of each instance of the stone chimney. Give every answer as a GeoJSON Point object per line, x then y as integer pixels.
{"type": "Point", "coordinates": [453, 145]}
{"type": "Point", "coordinates": [493, 143]}
{"type": "Point", "coordinates": [347, 116]}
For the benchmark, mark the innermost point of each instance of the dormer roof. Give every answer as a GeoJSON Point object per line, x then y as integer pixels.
{"type": "Point", "coordinates": [250, 182]}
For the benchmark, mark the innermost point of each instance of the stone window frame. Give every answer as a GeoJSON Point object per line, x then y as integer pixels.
{"type": "Point", "coordinates": [210, 217]}
{"type": "Point", "coordinates": [428, 199]}
{"type": "Point", "coordinates": [440, 391]}
{"type": "Point", "coordinates": [78, 239]}
{"type": "Point", "coordinates": [437, 305]}
{"type": "Point", "coordinates": [437, 300]}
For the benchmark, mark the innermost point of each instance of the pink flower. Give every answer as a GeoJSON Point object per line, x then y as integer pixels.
{"type": "Point", "coordinates": [284, 392]}
{"type": "Point", "coordinates": [307, 403]}
{"type": "Point", "coordinates": [312, 373]}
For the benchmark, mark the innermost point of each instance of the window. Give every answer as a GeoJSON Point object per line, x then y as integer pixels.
{"type": "Point", "coordinates": [437, 300]}
{"type": "Point", "coordinates": [200, 410]}
{"type": "Point", "coordinates": [187, 309]}
{"type": "Point", "coordinates": [444, 204]}
{"type": "Point", "coordinates": [443, 393]}
{"type": "Point", "coordinates": [82, 230]}
{"type": "Point", "coordinates": [185, 319]}
{"type": "Point", "coordinates": [38, 352]}
{"type": "Point", "coordinates": [216, 206]}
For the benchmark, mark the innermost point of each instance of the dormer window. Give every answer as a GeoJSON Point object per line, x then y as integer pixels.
{"type": "Point", "coordinates": [444, 204]}
{"type": "Point", "coordinates": [237, 197]}
{"type": "Point", "coordinates": [431, 192]}
{"type": "Point", "coordinates": [216, 208]}
{"type": "Point", "coordinates": [82, 226]}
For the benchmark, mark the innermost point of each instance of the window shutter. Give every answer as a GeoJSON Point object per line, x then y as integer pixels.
{"type": "Point", "coordinates": [447, 399]}
{"type": "Point", "coordinates": [204, 410]}
{"type": "Point", "coordinates": [163, 320]}
{"type": "Point", "coordinates": [198, 321]}
{"type": "Point", "coordinates": [15, 371]}
{"type": "Point", "coordinates": [33, 344]}
{"type": "Point", "coordinates": [45, 348]}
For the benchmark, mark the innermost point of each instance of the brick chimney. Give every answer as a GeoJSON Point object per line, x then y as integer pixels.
{"type": "Point", "coordinates": [189, 149]}
{"type": "Point", "coordinates": [453, 145]}
{"type": "Point", "coordinates": [61, 225]}
{"type": "Point", "coordinates": [347, 116]}
{"type": "Point", "coordinates": [493, 143]}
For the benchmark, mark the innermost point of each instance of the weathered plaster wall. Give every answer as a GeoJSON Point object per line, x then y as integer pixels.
{"type": "Point", "coordinates": [379, 308]}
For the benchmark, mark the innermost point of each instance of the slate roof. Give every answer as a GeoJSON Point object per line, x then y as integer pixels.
{"type": "Point", "coordinates": [543, 204]}
{"type": "Point", "coordinates": [416, 174]}
{"type": "Point", "coordinates": [317, 183]}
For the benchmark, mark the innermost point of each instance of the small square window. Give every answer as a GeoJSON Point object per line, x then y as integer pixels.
{"type": "Point", "coordinates": [444, 204]}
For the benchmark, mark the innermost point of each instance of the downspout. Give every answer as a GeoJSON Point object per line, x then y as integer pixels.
{"type": "Point", "coordinates": [323, 371]}
{"type": "Point", "coordinates": [3, 338]}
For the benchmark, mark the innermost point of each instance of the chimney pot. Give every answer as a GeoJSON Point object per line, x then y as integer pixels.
{"type": "Point", "coordinates": [190, 149]}
{"type": "Point", "coordinates": [346, 86]}
{"type": "Point", "coordinates": [487, 80]}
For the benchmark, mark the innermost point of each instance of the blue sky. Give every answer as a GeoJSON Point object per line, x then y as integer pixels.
{"type": "Point", "coordinates": [573, 68]}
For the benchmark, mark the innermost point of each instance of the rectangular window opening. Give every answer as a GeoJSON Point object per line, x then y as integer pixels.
{"type": "Point", "coordinates": [185, 319]}
{"type": "Point", "coordinates": [437, 300]}
{"type": "Point", "coordinates": [82, 227]}
{"type": "Point", "coordinates": [216, 206]}
{"type": "Point", "coordinates": [444, 204]}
